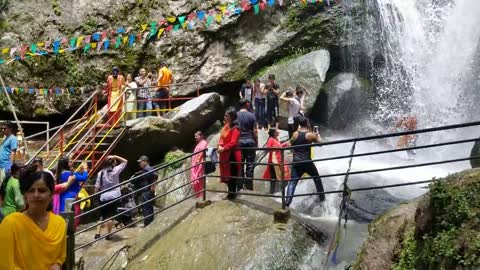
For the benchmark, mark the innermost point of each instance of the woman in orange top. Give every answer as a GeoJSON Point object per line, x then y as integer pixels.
{"type": "Point", "coordinates": [273, 171]}
{"type": "Point", "coordinates": [229, 172]}
{"type": "Point", "coordinates": [34, 238]}
{"type": "Point", "coordinates": [115, 85]}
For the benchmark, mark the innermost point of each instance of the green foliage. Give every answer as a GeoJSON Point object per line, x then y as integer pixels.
{"type": "Point", "coordinates": [407, 254]}
{"type": "Point", "coordinates": [56, 7]}
{"type": "Point", "coordinates": [90, 26]}
{"type": "Point", "coordinates": [173, 156]}
{"type": "Point", "coordinates": [452, 238]}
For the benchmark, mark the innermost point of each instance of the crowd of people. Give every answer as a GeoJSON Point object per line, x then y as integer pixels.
{"type": "Point", "coordinates": [144, 94]}
{"type": "Point", "coordinates": [31, 196]}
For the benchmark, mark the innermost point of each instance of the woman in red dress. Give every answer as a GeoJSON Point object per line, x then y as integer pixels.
{"type": "Point", "coordinates": [273, 172]}
{"type": "Point", "coordinates": [227, 153]}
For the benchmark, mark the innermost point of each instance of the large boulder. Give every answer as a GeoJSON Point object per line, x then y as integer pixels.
{"type": "Point", "coordinates": [475, 163]}
{"type": "Point", "coordinates": [308, 70]}
{"type": "Point", "coordinates": [437, 231]}
{"type": "Point", "coordinates": [347, 99]}
{"type": "Point", "coordinates": [154, 136]}
{"type": "Point", "coordinates": [228, 235]}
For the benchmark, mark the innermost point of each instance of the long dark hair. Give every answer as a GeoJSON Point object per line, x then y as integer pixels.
{"type": "Point", "coordinates": [271, 132]}
{"type": "Point", "coordinates": [30, 175]}
{"type": "Point", "coordinates": [14, 171]}
{"type": "Point", "coordinates": [62, 165]}
{"type": "Point", "coordinates": [232, 114]}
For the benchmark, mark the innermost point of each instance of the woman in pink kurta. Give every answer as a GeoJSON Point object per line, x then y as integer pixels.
{"type": "Point", "coordinates": [197, 175]}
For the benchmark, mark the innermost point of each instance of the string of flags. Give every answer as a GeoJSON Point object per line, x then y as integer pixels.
{"type": "Point", "coordinates": [127, 37]}
{"type": "Point", "coordinates": [56, 91]}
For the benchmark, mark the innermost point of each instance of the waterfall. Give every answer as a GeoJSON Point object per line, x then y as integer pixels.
{"type": "Point", "coordinates": [429, 47]}
{"type": "Point", "coordinates": [425, 58]}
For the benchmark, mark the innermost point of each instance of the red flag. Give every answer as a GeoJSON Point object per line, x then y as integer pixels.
{"type": "Point", "coordinates": [64, 40]}
{"type": "Point", "coordinates": [23, 51]}
{"type": "Point", "coordinates": [162, 22]}
{"type": "Point", "coordinates": [104, 35]}
{"type": "Point", "coordinates": [87, 39]}
{"type": "Point", "coordinates": [191, 16]}
{"type": "Point", "coordinates": [169, 28]}
{"type": "Point", "coordinates": [262, 6]}
{"type": "Point", "coordinates": [139, 36]}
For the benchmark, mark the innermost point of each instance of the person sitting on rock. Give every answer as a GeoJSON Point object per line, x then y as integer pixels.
{"type": "Point", "coordinates": [302, 158]}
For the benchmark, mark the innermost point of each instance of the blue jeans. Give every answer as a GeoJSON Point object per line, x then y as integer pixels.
{"type": "Point", "coordinates": [297, 171]}
{"type": "Point", "coordinates": [260, 112]}
{"type": "Point", "coordinates": [144, 104]}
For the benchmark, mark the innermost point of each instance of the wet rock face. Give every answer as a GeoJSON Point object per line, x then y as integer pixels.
{"type": "Point", "coordinates": [308, 70]}
{"type": "Point", "coordinates": [229, 235]}
{"type": "Point", "coordinates": [347, 100]}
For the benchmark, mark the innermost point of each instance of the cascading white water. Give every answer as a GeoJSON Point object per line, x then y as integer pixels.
{"type": "Point", "coordinates": [434, 44]}
{"type": "Point", "coordinates": [428, 49]}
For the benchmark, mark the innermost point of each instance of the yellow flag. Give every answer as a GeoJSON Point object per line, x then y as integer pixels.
{"type": "Point", "coordinates": [94, 45]}
{"type": "Point", "coordinates": [218, 17]}
{"type": "Point", "coordinates": [40, 44]}
{"type": "Point", "coordinates": [223, 9]}
{"type": "Point", "coordinates": [171, 19]}
{"type": "Point", "coordinates": [5, 50]}
{"type": "Point", "coordinates": [144, 27]}
{"type": "Point", "coordinates": [160, 32]}
{"type": "Point", "coordinates": [185, 24]}
{"type": "Point", "coordinates": [79, 40]}
{"type": "Point", "coordinates": [61, 51]}
{"type": "Point", "coordinates": [125, 40]}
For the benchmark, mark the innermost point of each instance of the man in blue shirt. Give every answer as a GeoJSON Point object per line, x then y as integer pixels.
{"type": "Point", "coordinates": [7, 149]}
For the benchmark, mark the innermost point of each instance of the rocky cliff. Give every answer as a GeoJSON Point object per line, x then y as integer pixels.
{"type": "Point", "coordinates": [226, 52]}
{"type": "Point", "coordinates": [438, 231]}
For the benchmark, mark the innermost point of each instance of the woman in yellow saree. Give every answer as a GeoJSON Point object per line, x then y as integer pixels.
{"type": "Point", "coordinates": [34, 238]}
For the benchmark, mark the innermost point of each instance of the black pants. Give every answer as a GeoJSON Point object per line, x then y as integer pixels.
{"type": "Point", "coordinates": [272, 112]}
{"type": "Point", "coordinates": [248, 166]}
{"type": "Point", "coordinates": [273, 176]}
{"type": "Point", "coordinates": [297, 171]}
{"type": "Point", "coordinates": [232, 184]}
{"type": "Point", "coordinates": [147, 209]}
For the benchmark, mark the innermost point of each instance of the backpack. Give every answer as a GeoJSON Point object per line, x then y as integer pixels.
{"type": "Point", "coordinates": [211, 160]}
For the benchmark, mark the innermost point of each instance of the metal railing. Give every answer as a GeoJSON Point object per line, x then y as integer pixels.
{"type": "Point", "coordinates": [61, 128]}
{"type": "Point", "coordinates": [282, 179]}
{"type": "Point", "coordinates": [168, 101]}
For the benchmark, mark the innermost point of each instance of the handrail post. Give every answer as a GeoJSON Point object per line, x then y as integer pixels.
{"type": "Point", "coordinates": [125, 115]}
{"type": "Point", "coordinates": [282, 173]}
{"type": "Point", "coordinates": [70, 259]}
{"type": "Point", "coordinates": [204, 182]}
{"type": "Point", "coordinates": [48, 137]}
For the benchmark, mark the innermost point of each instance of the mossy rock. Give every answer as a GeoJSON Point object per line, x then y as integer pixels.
{"type": "Point", "coordinates": [441, 231]}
